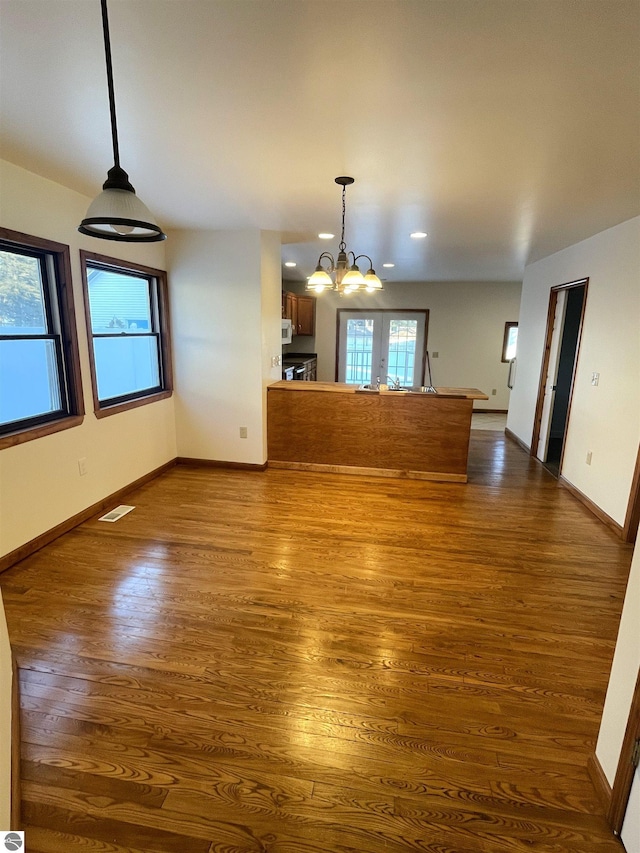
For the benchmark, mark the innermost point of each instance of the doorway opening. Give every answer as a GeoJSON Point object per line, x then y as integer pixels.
{"type": "Point", "coordinates": [562, 345]}
{"type": "Point", "coordinates": [381, 345]}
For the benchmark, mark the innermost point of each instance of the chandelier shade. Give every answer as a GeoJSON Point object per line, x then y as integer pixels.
{"type": "Point", "coordinates": [117, 213]}
{"type": "Point", "coordinates": [347, 276]}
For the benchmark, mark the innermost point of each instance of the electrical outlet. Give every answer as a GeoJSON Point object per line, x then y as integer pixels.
{"type": "Point", "coordinates": [589, 455]}
{"type": "Point", "coordinates": [82, 466]}
{"type": "Point", "coordinates": [276, 361]}
{"type": "Point", "coordinates": [435, 355]}
{"type": "Point", "coordinates": [595, 378]}
{"type": "Point", "coordinates": [494, 391]}
{"type": "Point", "coordinates": [243, 432]}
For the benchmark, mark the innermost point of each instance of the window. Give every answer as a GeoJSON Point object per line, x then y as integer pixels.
{"type": "Point", "coordinates": [127, 324]}
{"type": "Point", "coordinates": [40, 390]}
{"type": "Point", "coordinates": [510, 341]}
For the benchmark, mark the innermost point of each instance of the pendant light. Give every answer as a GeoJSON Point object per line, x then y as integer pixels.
{"type": "Point", "coordinates": [348, 277]}
{"type": "Point", "coordinates": [117, 213]}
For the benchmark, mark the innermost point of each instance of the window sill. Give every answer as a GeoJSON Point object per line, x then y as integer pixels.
{"type": "Point", "coordinates": [105, 411]}
{"type": "Point", "coordinates": [24, 435]}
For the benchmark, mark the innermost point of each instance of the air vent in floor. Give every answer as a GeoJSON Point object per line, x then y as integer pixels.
{"type": "Point", "coordinates": [117, 513]}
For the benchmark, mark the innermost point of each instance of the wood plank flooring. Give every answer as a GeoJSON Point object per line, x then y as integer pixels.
{"type": "Point", "coordinates": [306, 663]}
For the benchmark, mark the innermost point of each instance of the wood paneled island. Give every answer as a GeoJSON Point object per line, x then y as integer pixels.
{"type": "Point", "coordinates": [333, 426]}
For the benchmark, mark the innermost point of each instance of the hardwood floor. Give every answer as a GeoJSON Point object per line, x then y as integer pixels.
{"type": "Point", "coordinates": [283, 662]}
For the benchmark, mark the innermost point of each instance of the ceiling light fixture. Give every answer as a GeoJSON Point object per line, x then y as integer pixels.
{"type": "Point", "coordinates": [290, 263]}
{"type": "Point", "coordinates": [117, 213]}
{"type": "Point", "coordinates": [347, 278]}
{"type": "Point", "coordinates": [418, 235]}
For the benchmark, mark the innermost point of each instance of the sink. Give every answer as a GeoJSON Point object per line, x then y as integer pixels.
{"type": "Point", "coordinates": [415, 389]}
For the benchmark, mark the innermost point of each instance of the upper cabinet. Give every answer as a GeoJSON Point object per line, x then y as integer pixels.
{"type": "Point", "coordinates": [301, 310]}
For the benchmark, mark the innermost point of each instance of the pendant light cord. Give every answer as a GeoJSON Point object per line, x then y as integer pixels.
{"type": "Point", "coordinates": [112, 97]}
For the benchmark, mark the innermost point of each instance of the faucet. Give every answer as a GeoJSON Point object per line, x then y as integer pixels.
{"type": "Point", "coordinates": [395, 383]}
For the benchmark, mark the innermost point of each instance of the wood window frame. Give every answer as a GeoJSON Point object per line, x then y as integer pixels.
{"type": "Point", "coordinates": [61, 288]}
{"type": "Point", "coordinates": [104, 409]}
{"type": "Point", "coordinates": [507, 328]}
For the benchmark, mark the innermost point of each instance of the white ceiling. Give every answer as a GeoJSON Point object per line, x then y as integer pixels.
{"type": "Point", "coordinates": [506, 129]}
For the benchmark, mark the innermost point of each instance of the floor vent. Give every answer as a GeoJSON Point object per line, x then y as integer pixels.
{"type": "Point", "coordinates": [117, 513]}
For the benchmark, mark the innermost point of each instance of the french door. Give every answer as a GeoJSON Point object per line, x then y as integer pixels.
{"type": "Point", "coordinates": [382, 344]}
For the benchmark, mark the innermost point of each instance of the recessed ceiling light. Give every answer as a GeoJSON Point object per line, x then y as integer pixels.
{"type": "Point", "coordinates": [388, 266]}
{"type": "Point", "coordinates": [289, 263]}
{"type": "Point", "coordinates": [326, 236]}
{"type": "Point", "coordinates": [418, 235]}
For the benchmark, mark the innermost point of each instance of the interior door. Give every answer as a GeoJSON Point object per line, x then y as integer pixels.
{"type": "Point", "coordinates": [552, 372]}
{"type": "Point", "coordinates": [384, 345]}
{"type": "Point", "coordinates": [630, 834]}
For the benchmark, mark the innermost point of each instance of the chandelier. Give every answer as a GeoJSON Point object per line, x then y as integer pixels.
{"type": "Point", "coordinates": [348, 277]}
{"type": "Point", "coordinates": [117, 213]}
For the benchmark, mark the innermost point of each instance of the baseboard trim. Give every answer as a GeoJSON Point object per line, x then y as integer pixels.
{"type": "Point", "coordinates": [48, 536]}
{"type": "Point", "coordinates": [593, 508]}
{"type": "Point", "coordinates": [599, 781]}
{"type": "Point", "coordinates": [16, 786]}
{"type": "Point", "coordinates": [397, 473]}
{"type": "Point", "coordinates": [490, 411]}
{"type": "Point", "coordinates": [511, 435]}
{"type": "Point", "coordinates": [217, 463]}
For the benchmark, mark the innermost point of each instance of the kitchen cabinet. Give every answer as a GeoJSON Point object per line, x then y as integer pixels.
{"type": "Point", "coordinates": [290, 309]}
{"type": "Point", "coordinates": [306, 315]}
{"type": "Point", "coordinates": [301, 310]}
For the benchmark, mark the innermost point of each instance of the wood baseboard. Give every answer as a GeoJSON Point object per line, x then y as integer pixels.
{"type": "Point", "coordinates": [353, 470]}
{"type": "Point", "coordinates": [599, 781]}
{"type": "Point", "coordinates": [48, 536]}
{"type": "Point", "coordinates": [216, 463]}
{"type": "Point", "coordinates": [511, 435]}
{"type": "Point", "coordinates": [16, 787]}
{"type": "Point", "coordinates": [594, 508]}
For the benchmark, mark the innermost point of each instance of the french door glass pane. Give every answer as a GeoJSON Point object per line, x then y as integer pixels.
{"type": "Point", "coordinates": [29, 383]}
{"type": "Point", "coordinates": [359, 351]}
{"type": "Point", "coordinates": [126, 364]}
{"type": "Point", "coordinates": [402, 350]}
{"type": "Point", "coordinates": [22, 309]}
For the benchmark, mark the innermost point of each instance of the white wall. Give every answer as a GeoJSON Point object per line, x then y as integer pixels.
{"type": "Point", "coordinates": [225, 308]}
{"type": "Point", "coordinates": [271, 314]}
{"type": "Point", "coordinates": [624, 672]}
{"type": "Point", "coordinates": [604, 419]}
{"type": "Point", "coordinates": [466, 329]}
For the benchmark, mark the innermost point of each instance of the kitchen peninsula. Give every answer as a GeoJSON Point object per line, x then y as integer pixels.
{"type": "Point", "coordinates": [333, 426]}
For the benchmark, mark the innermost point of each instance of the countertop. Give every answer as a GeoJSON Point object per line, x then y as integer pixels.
{"type": "Point", "coordinates": [345, 388]}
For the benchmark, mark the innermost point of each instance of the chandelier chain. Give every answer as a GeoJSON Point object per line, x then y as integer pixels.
{"type": "Point", "coordinates": [343, 245]}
